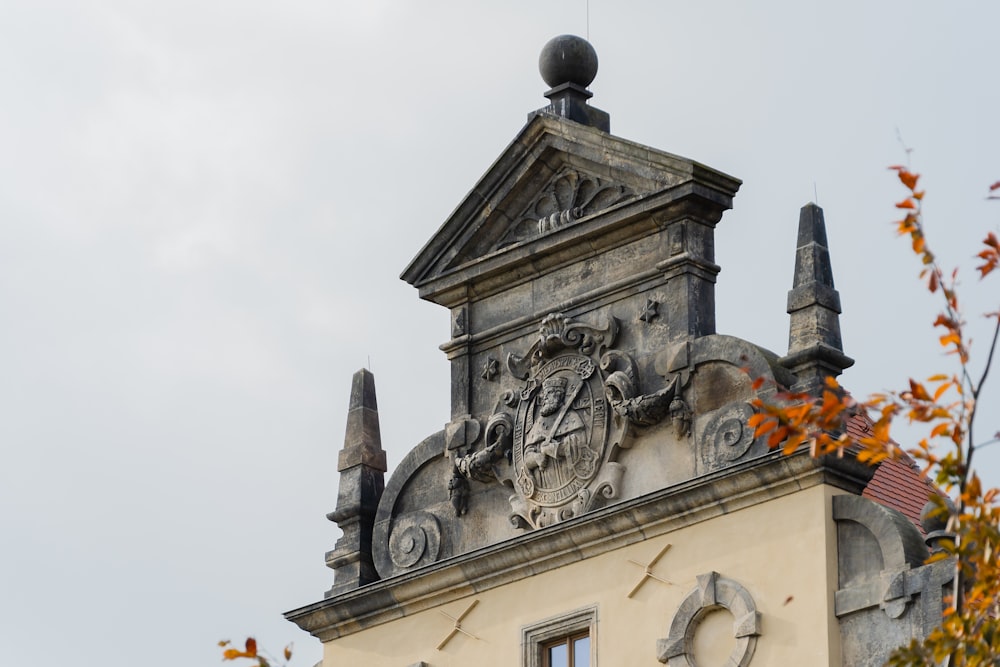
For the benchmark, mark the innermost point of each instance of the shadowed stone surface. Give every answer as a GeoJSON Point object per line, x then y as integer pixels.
{"type": "Point", "coordinates": [815, 350]}
{"type": "Point", "coordinates": [886, 595]}
{"type": "Point", "coordinates": [361, 465]}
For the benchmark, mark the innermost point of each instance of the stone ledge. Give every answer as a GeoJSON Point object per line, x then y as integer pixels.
{"type": "Point", "coordinates": [765, 478]}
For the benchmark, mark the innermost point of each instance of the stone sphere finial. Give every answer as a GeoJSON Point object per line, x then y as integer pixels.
{"type": "Point", "coordinates": [568, 59]}
{"type": "Point", "coordinates": [932, 521]}
{"type": "Point", "coordinates": [936, 526]}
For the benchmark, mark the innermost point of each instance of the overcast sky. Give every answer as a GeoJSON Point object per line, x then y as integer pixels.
{"type": "Point", "coordinates": [205, 206]}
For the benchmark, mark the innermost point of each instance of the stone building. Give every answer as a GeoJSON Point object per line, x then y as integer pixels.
{"type": "Point", "coordinates": [597, 498]}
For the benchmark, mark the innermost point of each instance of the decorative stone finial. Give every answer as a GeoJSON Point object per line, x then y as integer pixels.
{"type": "Point", "coordinates": [568, 59]}
{"type": "Point", "coordinates": [935, 524]}
{"type": "Point", "coordinates": [361, 466]}
{"type": "Point", "coordinates": [815, 350]}
{"type": "Point", "coordinates": [569, 64]}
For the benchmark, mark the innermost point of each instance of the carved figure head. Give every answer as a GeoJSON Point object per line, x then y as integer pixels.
{"type": "Point", "coordinates": [552, 395]}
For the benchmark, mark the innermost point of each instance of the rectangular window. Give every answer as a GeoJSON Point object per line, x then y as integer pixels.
{"type": "Point", "coordinates": [572, 651]}
{"type": "Point", "coordinates": [568, 640]}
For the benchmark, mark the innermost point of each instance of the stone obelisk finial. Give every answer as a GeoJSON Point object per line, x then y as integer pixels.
{"type": "Point", "coordinates": [361, 466]}
{"type": "Point", "coordinates": [815, 350]}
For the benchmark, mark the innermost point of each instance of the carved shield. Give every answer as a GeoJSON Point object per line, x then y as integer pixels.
{"type": "Point", "coordinates": [556, 455]}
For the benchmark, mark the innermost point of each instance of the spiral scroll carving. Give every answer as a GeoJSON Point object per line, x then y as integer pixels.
{"type": "Point", "coordinates": [727, 436]}
{"type": "Point", "coordinates": [415, 540]}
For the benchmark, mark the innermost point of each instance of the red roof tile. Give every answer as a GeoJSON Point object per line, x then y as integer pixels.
{"type": "Point", "coordinates": [897, 483]}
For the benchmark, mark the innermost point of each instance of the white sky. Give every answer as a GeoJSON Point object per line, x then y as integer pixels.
{"type": "Point", "coordinates": [204, 208]}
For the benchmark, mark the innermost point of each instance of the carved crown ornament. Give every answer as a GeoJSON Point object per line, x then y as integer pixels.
{"type": "Point", "coordinates": [554, 438]}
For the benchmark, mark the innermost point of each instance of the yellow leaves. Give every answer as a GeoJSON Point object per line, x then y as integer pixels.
{"type": "Point", "coordinates": [939, 392]}
{"type": "Point", "coordinates": [941, 429]}
{"type": "Point", "coordinates": [251, 651]}
{"type": "Point", "coordinates": [233, 653]}
{"type": "Point", "coordinates": [907, 204]}
{"type": "Point", "coordinates": [950, 339]}
{"type": "Point", "coordinates": [761, 424]}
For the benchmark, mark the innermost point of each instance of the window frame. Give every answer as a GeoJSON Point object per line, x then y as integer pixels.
{"type": "Point", "coordinates": [538, 637]}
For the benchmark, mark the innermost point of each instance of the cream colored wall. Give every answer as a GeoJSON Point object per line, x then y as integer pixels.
{"type": "Point", "coordinates": [783, 552]}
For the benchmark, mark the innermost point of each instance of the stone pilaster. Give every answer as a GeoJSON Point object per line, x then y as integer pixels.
{"type": "Point", "coordinates": [815, 350]}
{"type": "Point", "coordinates": [361, 466]}
{"type": "Point", "coordinates": [690, 272]}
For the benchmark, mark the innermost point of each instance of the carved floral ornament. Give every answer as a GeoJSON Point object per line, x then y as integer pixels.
{"type": "Point", "coordinates": [554, 439]}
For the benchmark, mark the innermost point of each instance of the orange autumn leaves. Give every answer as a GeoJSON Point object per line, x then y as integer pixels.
{"type": "Point", "coordinates": [941, 400]}
{"type": "Point", "coordinates": [250, 651]}
{"type": "Point", "coordinates": [969, 634]}
{"type": "Point", "coordinates": [990, 255]}
{"type": "Point", "coordinates": [821, 423]}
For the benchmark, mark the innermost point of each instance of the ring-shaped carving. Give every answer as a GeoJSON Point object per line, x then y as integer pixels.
{"type": "Point", "coordinates": [499, 431]}
{"type": "Point", "coordinates": [712, 592]}
{"type": "Point", "coordinates": [415, 539]}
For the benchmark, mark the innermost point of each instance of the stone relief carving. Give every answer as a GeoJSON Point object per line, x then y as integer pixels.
{"type": "Point", "coordinates": [480, 465]}
{"type": "Point", "coordinates": [681, 416]}
{"type": "Point", "coordinates": [650, 311]}
{"type": "Point", "coordinates": [712, 592]}
{"type": "Point", "coordinates": [459, 324]}
{"type": "Point", "coordinates": [570, 195]}
{"type": "Point", "coordinates": [458, 492]}
{"type": "Point", "coordinates": [415, 539]}
{"type": "Point", "coordinates": [491, 369]}
{"type": "Point", "coordinates": [726, 437]}
{"type": "Point", "coordinates": [556, 447]}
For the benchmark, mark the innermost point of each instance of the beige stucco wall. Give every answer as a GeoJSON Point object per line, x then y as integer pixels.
{"type": "Point", "coordinates": [782, 551]}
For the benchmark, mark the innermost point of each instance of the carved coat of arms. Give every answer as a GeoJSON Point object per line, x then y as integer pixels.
{"type": "Point", "coordinates": [561, 430]}
{"type": "Point", "coordinates": [571, 416]}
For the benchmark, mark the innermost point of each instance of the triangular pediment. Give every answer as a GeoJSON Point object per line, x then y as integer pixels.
{"type": "Point", "coordinates": [555, 174]}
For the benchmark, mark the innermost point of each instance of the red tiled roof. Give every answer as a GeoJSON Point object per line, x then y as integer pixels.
{"type": "Point", "coordinates": [898, 483]}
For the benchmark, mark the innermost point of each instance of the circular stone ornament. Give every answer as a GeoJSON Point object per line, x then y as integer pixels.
{"type": "Point", "coordinates": [415, 540]}
{"type": "Point", "coordinates": [568, 59]}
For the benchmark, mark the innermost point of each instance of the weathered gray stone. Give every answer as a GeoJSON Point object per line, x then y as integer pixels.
{"type": "Point", "coordinates": [361, 465]}
{"type": "Point", "coordinates": [886, 595]}
{"type": "Point", "coordinates": [593, 403]}
{"type": "Point", "coordinates": [712, 592]}
{"type": "Point", "coordinates": [815, 350]}
{"type": "Point", "coordinates": [522, 555]}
